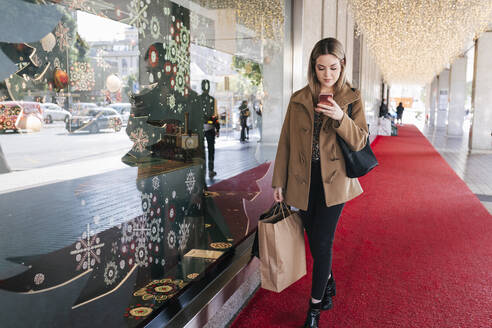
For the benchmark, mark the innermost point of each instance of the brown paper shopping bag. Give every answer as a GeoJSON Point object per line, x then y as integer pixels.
{"type": "Point", "coordinates": [282, 252]}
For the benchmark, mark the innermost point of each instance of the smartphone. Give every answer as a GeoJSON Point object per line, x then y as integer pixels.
{"type": "Point", "coordinates": [325, 98]}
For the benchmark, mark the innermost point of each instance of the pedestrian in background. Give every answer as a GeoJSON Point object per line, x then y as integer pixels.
{"type": "Point", "coordinates": [259, 119]}
{"type": "Point", "coordinates": [243, 119]}
{"type": "Point", "coordinates": [399, 113]}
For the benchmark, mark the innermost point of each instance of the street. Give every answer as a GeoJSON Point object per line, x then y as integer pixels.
{"type": "Point", "coordinates": [54, 145]}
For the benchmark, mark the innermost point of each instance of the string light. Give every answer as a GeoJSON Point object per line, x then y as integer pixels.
{"type": "Point", "coordinates": [264, 17]}
{"type": "Point", "coordinates": [412, 41]}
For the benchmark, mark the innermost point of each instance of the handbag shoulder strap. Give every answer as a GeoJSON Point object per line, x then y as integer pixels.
{"type": "Point", "coordinates": [350, 107]}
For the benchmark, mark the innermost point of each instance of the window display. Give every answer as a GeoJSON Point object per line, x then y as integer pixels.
{"type": "Point", "coordinates": [105, 106]}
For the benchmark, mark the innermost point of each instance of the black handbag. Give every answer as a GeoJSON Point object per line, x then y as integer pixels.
{"type": "Point", "coordinates": [357, 163]}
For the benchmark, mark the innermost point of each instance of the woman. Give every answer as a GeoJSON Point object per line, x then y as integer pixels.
{"type": "Point", "coordinates": [309, 171]}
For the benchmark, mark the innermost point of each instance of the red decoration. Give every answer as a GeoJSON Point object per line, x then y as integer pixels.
{"type": "Point", "coordinates": [153, 56]}
{"type": "Point", "coordinates": [60, 78]}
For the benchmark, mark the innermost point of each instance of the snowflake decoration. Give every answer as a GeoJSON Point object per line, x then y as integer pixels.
{"type": "Point", "coordinates": [39, 278]}
{"type": "Point", "coordinates": [146, 202]}
{"type": "Point", "coordinates": [190, 181]}
{"type": "Point", "coordinates": [171, 239]}
{"type": "Point", "coordinates": [183, 235]}
{"type": "Point", "coordinates": [95, 7]}
{"type": "Point", "coordinates": [110, 273]}
{"type": "Point", "coordinates": [155, 231]}
{"type": "Point", "coordinates": [114, 247]}
{"type": "Point", "coordinates": [141, 229]}
{"type": "Point", "coordinates": [62, 35]}
{"type": "Point", "coordinates": [180, 85]}
{"type": "Point", "coordinates": [167, 11]}
{"type": "Point", "coordinates": [141, 255]}
{"type": "Point", "coordinates": [171, 101]}
{"type": "Point", "coordinates": [82, 77]}
{"type": "Point", "coordinates": [138, 15]}
{"type": "Point", "coordinates": [127, 233]}
{"type": "Point", "coordinates": [87, 250]}
{"type": "Point", "coordinates": [134, 230]}
{"type": "Point", "coordinates": [77, 4]}
{"type": "Point", "coordinates": [140, 140]}
{"type": "Point", "coordinates": [180, 108]}
{"type": "Point", "coordinates": [155, 183]}
{"type": "Point", "coordinates": [155, 28]}
{"type": "Point", "coordinates": [177, 55]}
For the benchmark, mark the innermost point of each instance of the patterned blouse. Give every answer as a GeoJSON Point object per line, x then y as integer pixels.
{"type": "Point", "coordinates": [318, 120]}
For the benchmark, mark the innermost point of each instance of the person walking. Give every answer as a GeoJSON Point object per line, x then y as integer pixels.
{"type": "Point", "coordinates": [309, 171]}
{"type": "Point", "coordinates": [243, 118]}
{"type": "Point", "coordinates": [211, 126]}
{"type": "Point", "coordinates": [399, 113]}
{"type": "Point", "coordinates": [259, 119]}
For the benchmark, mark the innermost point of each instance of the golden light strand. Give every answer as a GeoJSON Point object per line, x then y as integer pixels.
{"type": "Point", "coordinates": [412, 41]}
{"type": "Point", "coordinates": [264, 17]}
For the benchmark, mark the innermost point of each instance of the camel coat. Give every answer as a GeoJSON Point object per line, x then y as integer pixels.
{"type": "Point", "coordinates": [292, 170]}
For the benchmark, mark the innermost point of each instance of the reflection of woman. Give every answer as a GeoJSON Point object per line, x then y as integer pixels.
{"type": "Point", "coordinates": [309, 166]}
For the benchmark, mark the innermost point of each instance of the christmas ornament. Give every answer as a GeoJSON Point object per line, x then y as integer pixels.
{"type": "Point", "coordinates": [113, 83]}
{"type": "Point", "coordinates": [60, 78]}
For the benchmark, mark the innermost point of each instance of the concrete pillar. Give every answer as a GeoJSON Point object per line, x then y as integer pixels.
{"type": "Point", "coordinates": [311, 33]}
{"type": "Point", "coordinates": [457, 96]}
{"type": "Point", "coordinates": [433, 101]}
{"type": "Point", "coordinates": [330, 18]}
{"type": "Point", "coordinates": [481, 130]}
{"type": "Point", "coordinates": [443, 99]}
{"type": "Point", "coordinates": [349, 47]}
{"type": "Point", "coordinates": [277, 80]}
{"type": "Point", "coordinates": [342, 22]}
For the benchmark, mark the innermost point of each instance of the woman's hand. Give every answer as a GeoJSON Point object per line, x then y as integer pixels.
{"type": "Point", "coordinates": [334, 112]}
{"type": "Point", "coordinates": [278, 195]}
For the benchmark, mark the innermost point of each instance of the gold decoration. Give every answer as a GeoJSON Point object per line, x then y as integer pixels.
{"type": "Point", "coordinates": [264, 17]}
{"type": "Point", "coordinates": [413, 41]}
{"type": "Point", "coordinates": [160, 290]}
{"type": "Point", "coordinates": [192, 276]}
{"type": "Point", "coordinates": [141, 311]}
{"type": "Point", "coordinates": [221, 245]}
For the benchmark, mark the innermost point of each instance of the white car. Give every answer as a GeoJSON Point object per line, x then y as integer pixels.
{"type": "Point", "coordinates": [53, 112]}
{"type": "Point", "coordinates": [123, 109]}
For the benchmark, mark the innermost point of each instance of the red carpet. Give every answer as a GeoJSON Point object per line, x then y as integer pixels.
{"type": "Point", "coordinates": [415, 250]}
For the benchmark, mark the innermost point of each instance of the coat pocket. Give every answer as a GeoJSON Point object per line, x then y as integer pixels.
{"type": "Point", "coordinates": [331, 177]}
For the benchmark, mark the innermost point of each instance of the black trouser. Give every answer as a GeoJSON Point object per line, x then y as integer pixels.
{"type": "Point", "coordinates": [210, 136]}
{"type": "Point", "coordinates": [320, 223]}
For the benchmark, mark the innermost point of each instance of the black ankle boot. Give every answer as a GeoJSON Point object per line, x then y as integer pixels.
{"type": "Point", "coordinates": [330, 291]}
{"type": "Point", "coordinates": [312, 318]}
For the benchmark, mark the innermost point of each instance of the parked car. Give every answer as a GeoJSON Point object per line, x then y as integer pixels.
{"type": "Point", "coordinates": [20, 115]}
{"type": "Point", "coordinates": [53, 112]}
{"type": "Point", "coordinates": [77, 107]}
{"type": "Point", "coordinates": [94, 120]}
{"type": "Point", "coordinates": [123, 109]}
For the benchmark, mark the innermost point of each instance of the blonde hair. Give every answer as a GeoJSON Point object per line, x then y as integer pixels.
{"type": "Point", "coordinates": [328, 46]}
